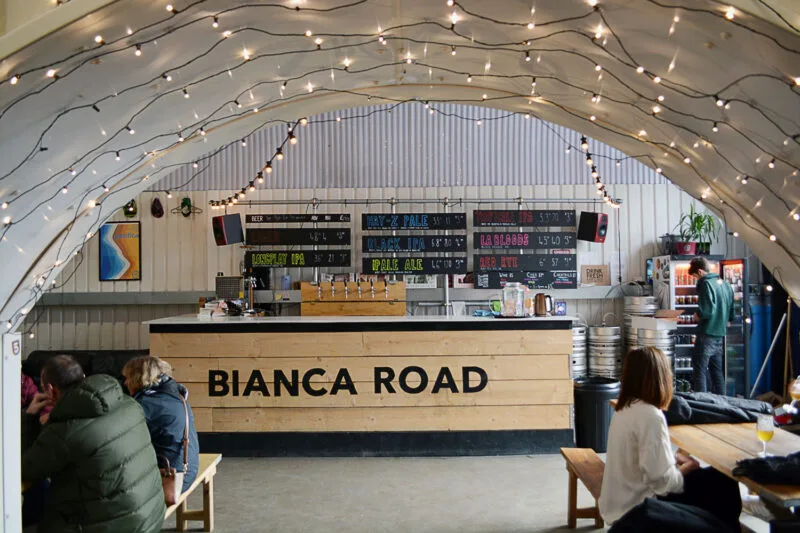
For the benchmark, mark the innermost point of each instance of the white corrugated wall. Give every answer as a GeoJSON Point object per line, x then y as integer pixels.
{"type": "Point", "coordinates": [405, 146]}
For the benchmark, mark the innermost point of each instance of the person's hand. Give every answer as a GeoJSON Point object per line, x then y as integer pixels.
{"type": "Point", "coordinates": [681, 458]}
{"type": "Point", "coordinates": [40, 401]}
{"type": "Point", "coordinates": [696, 318]}
{"type": "Point", "coordinates": [44, 418]}
{"type": "Point", "coordinates": [687, 464]}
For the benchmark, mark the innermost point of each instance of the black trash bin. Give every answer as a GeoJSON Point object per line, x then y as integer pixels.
{"type": "Point", "coordinates": [593, 411]}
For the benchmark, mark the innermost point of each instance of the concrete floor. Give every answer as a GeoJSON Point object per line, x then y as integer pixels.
{"type": "Point", "coordinates": [512, 494]}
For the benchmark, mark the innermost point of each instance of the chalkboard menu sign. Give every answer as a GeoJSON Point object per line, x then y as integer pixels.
{"type": "Point", "coordinates": [422, 243]}
{"type": "Point", "coordinates": [534, 262]}
{"type": "Point", "coordinates": [419, 221]}
{"type": "Point", "coordinates": [538, 218]}
{"type": "Point", "coordinates": [278, 218]}
{"type": "Point", "coordinates": [297, 237]}
{"type": "Point", "coordinates": [414, 265]}
{"type": "Point", "coordinates": [534, 280]}
{"type": "Point", "coordinates": [523, 240]}
{"type": "Point", "coordinates": [299, 258]}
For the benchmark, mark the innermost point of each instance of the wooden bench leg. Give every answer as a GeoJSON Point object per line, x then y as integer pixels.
{"type": "Point", "coordinates": [572, 505]}
{"type": "Point", "coordinates": [208, 504]}
{"type": "Point", "coordinates": [181, 523]}
{"type": "Point", "coordinates": [598, 520]}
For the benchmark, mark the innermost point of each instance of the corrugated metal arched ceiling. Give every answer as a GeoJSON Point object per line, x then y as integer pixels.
{"type": "Point", "coordinates": [730, 102]}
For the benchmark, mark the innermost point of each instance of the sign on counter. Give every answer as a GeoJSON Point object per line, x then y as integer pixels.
{"type": "Point", "coordinates": [414, 265]}
{"type": "Point", "coordinates": [534, 262]}
{"type": "Point", "coordinates": [523, 240]}
{"type": "Point", "coordinates": [289, 218]}
{"type": "Point", "coordinates": [534, 280]}
{"type": "Point", "coordinates": [297, 237]}
{"type": "Point", "coordinates": [419, 221]}
{"type": "Point", "coordinates": [541, 218]}
{"type": "Point", "coordinates": [298, 259]}
{"type": "Point", "coordinates": [422, 243]}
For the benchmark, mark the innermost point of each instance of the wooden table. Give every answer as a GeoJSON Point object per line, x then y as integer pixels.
{"type": "Point", "coordinates": [722, 445]}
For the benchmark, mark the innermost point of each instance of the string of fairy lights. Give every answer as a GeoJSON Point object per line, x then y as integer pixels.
{"type": "Point", "coordinates": [180, 16]}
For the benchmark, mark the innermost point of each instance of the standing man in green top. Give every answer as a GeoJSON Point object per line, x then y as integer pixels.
{"type": "Point", "coordinates": [715, 308]}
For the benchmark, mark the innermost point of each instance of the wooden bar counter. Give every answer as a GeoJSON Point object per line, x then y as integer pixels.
{"type": "Point", "coordinates": [373, 385]}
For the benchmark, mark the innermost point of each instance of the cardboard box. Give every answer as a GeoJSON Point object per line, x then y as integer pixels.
{"type": "Point", "coordinates": [667, 320]}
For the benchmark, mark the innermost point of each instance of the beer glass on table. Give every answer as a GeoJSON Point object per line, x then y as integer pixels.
{"type": "Point", "coordinates": [765, 429]}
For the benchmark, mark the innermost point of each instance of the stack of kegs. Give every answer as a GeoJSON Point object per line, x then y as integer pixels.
{"type": "Point", "coordinates": [577, 367]}
{"type": "Point", "coordinates": [636, 306]}
{"type": "Point", "coordinates": [605, 351]}
{"type": "Point", "coordinates": [663, 339]}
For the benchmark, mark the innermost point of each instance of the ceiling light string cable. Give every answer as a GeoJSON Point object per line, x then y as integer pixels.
{"type": "Point", "coordinates": [779, 15]}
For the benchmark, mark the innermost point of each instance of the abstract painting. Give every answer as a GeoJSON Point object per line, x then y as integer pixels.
{"type": "Point", "coordinates": [120, 252]}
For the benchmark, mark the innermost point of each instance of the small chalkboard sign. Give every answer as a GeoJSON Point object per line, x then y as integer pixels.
{"type": "Point", "coordinates": [533, 262]}
{"type": "Point", "coordinates": [298, 259]}
{"type": "Point", "coordinates": [291, 218]}
{"type": "Point", "coordinates": [297, 237]}
{"type": "Point", "coordinates": [421, 243]}
{"type": "Point", "coordinates": [524, 240]}
{"type": "Point", "coordinates": [567, 279]}
{"type": "Point", "coordinates": [540, 218]}
{"type": "Point", "coordinates": [417, 221]}
{"type": "Point", "coordinates": [414, 265]}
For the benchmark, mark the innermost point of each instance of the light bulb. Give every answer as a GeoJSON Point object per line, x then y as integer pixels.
{"type": "Point", "coordinates": [170, 8]}
{"type": "Point", "coordinates": [687, 159]}
{"type": "Point", "coordinates": [656, 109]}
{"type": "Point", "coordinates": [252, 186]}
{"type": "Point", "coordinates": [185, 92]}
{"type": "Point", "coordinates": [748, 320]}
{"type": "Point", "coordinates": [589, 160]}
{"type": "Point", "coordinates": [592, 118]}
{"type": "Point", "coordinates": [32, 335]}
{"type": "Point", "coordinates": [309, 33]}
{"type": "Point", "coordinates": [773, 238]}
{"type": "Point", "coordinates": [454, 18]}
{"type": "Point", "coordinates": [215, 24]}
{"type": "Point", "coordinates": [51, 73]}
{"type": "Point", "coordinates": [715, 128]}
{"type": "Point", "coordinates": [6, 220]}
{"type": "Point", "coordinates": [4, 205]}
{"type": "Point", "coordinates": [64, 189]}
{"type": "Point", "coordinates": [92, 204]}
{"type": "Point", "coordinates": [736, 234]}
{"type": "Point", "coordinates": [567, 150]}
{"type": "Point", "coordinates": [730, 13]}
{"type": "Point", "coordinates": [105, 188]}
{"type": "Point", "coordinates": [640, 70]}
{"type": "Point", "coordinates": [292, 139]}
{"type": "Point", "coordinates": [130, 130]}
{"type": "Point", "coordinates": [260, 178]}
{"type": "Point", "coordinates": [279, 154]}
{"type": "Point", "coordinates": [642, 133]}
{"type": "Point", "coordinates": [720, 101]}
{"type": "Point", "coordinates": [14, 79]}
{"type": "Point", "coordinates": [660, 98]}
{"type": "Point", "coordinates": [138, 51]}
{"type": "Point", "coordinates": [527, 55]}
{"type": "Point", "coordinates": [244, 143]}
{"type": "Point", "coordinates": [657, 79]}
{"type": "Point", "coordinates": [180, 138]}
{"type": "Point", "coordinates": [592, 3]}
{"type": "Point", "coordinates": [227, 33]}
{"type": "Point", "coordinates": [584, 144]}
{"type": "Point", "coordinates": [202, 131]}
{"type": "Point", "coordinates": [744, 180]}
{"type": "Point", "coordinates": [169, 194]}
{"type": "Point", "coordinates": [469, 78]}
{"type": "Point", "coordinates": [304, 121]}
{"type": "Point", "coordinates": [98, 39]}
{"type": "Point", "coordinates": [310, 87]}
{"type": "Point", "coordinates": [796, 216]}
{"type": "Point", "coordinates": [594, 171]}
{"type": "Point", "coordinates": [167, 77]}
{"type": "Point", "coordinates": [771, 163]}
{"type": "Point", "coordinates": [479, 123]}
{"type": "Point", "coordinates": [195, 165]}
{"type": "Point", "coordinates": [659, 170]}
{"type": "Point", "coordinates": [347, 62]}
{"type": "Point", "coordinates": [268, 167]}
{"type": "Point", "coordinates": [598, 68]}
{"type": "Point", "coordinates": [449, 3]}
{"type": "Point", "coordinates": [246, 54]}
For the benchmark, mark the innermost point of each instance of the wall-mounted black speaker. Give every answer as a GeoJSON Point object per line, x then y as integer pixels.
{"type": "Point", "coordinates": [227, 229]}
{"type": "Point", "coordinates": [593, 227]}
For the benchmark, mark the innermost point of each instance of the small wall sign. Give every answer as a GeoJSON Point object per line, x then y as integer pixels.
{"type": "Point", "coordinates": [595, 275]}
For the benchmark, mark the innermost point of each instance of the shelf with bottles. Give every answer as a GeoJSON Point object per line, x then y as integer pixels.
{"type": "Point", "coordinates": [686, 306]}
{"type": "Point", "coordinates": [685, 286]}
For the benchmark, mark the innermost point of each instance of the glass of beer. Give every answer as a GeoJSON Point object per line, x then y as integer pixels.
{"type": "Point", "coordinates": [765, 429]}
{"type": "Point", "coordinates": [794, 390]}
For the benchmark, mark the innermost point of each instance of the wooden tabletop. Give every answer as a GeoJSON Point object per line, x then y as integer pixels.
{"type": "Point", "coordinates": [722, 445]}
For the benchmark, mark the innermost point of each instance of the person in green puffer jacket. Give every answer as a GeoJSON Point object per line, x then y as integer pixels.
{"type": "Point", "coordinates": [714, 311]}
{"type": "Point", "coordinates": [96, 450]}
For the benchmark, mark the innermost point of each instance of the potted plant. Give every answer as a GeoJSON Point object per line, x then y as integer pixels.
{"type": "Point", "coordinates": [690, 228]}
{"type": "Point", "coordinates": [709, 233]}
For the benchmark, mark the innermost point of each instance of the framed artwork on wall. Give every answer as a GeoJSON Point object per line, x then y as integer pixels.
{"type": "Point", "coordinates": [120, 251]}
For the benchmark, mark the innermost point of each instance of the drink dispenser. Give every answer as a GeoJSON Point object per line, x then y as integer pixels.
{"type": "Point", "coordinates": [513, 300]}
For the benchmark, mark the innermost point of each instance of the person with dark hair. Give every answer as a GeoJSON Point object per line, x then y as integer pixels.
{"type": "Point", "coordinates": [96, 450]}
{"type": "Point", "coordinates": [645, 487]}
{"type": "Point", "coordinates": [715, 308]}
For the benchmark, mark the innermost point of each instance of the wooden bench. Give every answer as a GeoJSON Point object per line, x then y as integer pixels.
{"type": "Point", "coordinates": [205, 475]}
{"type": "Point", "coordinates": [586, 465]}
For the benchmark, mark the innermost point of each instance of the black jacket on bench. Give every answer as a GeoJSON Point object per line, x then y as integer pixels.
{"type": "Point", "coordinates": [707, 408]}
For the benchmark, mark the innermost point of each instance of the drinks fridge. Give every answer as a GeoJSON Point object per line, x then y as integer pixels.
{"type": "Point", "coordinates": [737, 353]}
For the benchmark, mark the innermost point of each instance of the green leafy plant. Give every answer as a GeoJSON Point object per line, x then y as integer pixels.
{"type": "Point", "coordinates": [691, 225]}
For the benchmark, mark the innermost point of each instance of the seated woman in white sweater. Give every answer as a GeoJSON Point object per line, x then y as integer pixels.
{"type": "Point", "coordinates": [645, 487]}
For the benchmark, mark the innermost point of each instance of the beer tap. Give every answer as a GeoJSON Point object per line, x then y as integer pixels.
{"type": "Point", "coordinates": [358, 285]}
{"type": "Point", "coordinates": [319, 291]}
{"type": "Point", "coordinates": [386, 289]}
{"type": "Point", "coordinates": [346, 290]}
{"type": "Point", "coordinates": [372, 288]}
{"type": "Point", "coordinates": [333, 290]}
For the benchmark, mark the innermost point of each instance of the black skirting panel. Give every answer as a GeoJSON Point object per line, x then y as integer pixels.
{"type": "Point", "coordinates": [387, 444]}
{"type": "Point", "coordinates": [210, 326]}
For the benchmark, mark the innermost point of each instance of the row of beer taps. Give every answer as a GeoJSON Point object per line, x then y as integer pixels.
{"type": "Point", "coordinates": [372, 289]}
